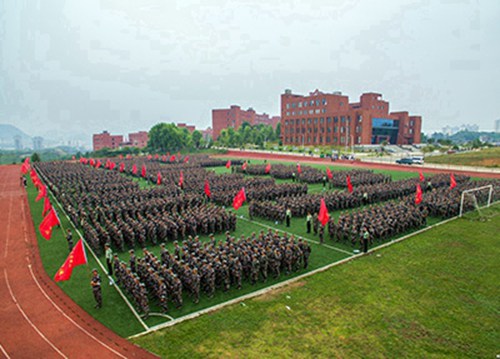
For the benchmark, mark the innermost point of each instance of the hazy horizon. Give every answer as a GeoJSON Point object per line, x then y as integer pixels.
{"type": "Point", "coordinates": [123, 66]}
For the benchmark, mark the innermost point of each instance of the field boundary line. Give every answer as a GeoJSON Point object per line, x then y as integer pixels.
{"type": "Point", "coordinates": [4, 352]}
{"type": "Point", "coordinates": [297, 236]}
{"type": "Point", "coordinates": [28, 319]}
{"type": "Point", "coordinates": [125, 299]}
{"type": "Point", "coordinates": [289, 281]}
{"type": "Point", "coordinates": [71, 319]}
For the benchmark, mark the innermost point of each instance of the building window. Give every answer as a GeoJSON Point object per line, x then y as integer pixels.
{"type": "Point", "coordinates": [341, 103]}
{"type": "Point", "coordinates": [320, 139]}
{"type": "Point", "coordinates": [311, 112]}
{"type": "Point", "coordinates": [335, 139]}
{"type": "Point", "coordinates": [329, 120]}
{"type": "Point", "coordinates": [317, 110]}
{"type": "Point", "coordinates": [288, 113]}
{"type": "Point", "coordinates": [303, 130]}
{"type": "Point", "coordinates": [358, 129]}
{"type": "Point", "coordinates": [335, 129]}
{"type": "Point", "coordinates": [411, 131]}
{"type": "Point", "coordinates": [315, 130]}
{"type": "Point", "coordinates": [360, 118]}
{"type": "Point", "coordinates": [342, 130]}
{"type": "Point", "coordinates": [317, 102]}
{"type": "Point", "coordinates": [294, 105]}
{"type": "Point", "coordinates": [309, 130]}
{"type": "Point", "coordinates": [291, 130]}
{"type": "Point", "coordinates": [286, 122]}
{"type": "Point", "coordinates": [359, 139]}
{"type": "Point", "coordinates": [322, 120]}
{"type": "Point", "coordinates": [309, 121]}
{"type": "Point", "coordinates": [323, 101]}
{"type": "Point", "coordinates": [287, 105]}
{"type": "Point", "coordinates": [327, 139]}
{"type": "Point", "coordinates": [328, 129]}
{"type": "Point", "coordinates": [315, 121]}
{"type": "Point", "coordinates": [303, 121]}
{"type": "Point", "coordinates": [305, 103]}
{"type": "Point", "coordinates": [412, 123]}
{"type": "Point", "coordinates": [342, 139]}
{"type": "Point", "coordinates": [300, 104]}
{"type": "Point", "coordinates": [335, 119]}
{"type": "Point", "coordinates": [322, 129]}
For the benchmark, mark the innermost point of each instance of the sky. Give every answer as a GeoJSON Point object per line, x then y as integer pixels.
{"type": "Point", "coordinates": [70, 67]}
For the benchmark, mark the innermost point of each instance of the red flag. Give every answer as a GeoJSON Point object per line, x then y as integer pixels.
{"type": "Point", "coordinates": [323, 215]}
{"type": "Point", "coordinates": [172, 158]}
{"type": "Point", "coordinates": [157, 156]}
{"type": "Point", "coordinates": [329, 173]}
{"type": "Point", "coordinates": [34, 177]}
{"type": "Point", "coordinates": [76, 257]}
{"type": "Point", "coordinates": [120, 157]}
{"type": "Point", "coordinates": [453, 183]}
{"type": "Point", "coordinates": [418, 194]}
{"type": "Point", "coordinates": [26, 166]}
{"type": "Point", "coordinates": [107, 164]}
{"type": "Point", "coordinates": [186, 159]}
{"type": "Point", "coordinates": [47, 223]}
{"type": "Point", "coordinates": [112, 165]}
{"type": "Point", "coordinates": [244, 166]}
{"type": "Point", "coordinates": [143, 171]}
{"type": "Point", "coordinates": [181, 179]}
{"type": "Point", "coordinates": [421, 176]}
{"type": "Point", "coordinates": [239, 199]}
{"type": "Point", "coordinates": [92, 162]}
{"type": "Point", "coordinates": [134, 169]}
{"type": "Point", "coordinates": [228, 164]}
{"type": "Point", "coordinates": [299, 169]}
{"type": "Point", "coordinates": [164, 158]}
{"type": "Point", "coordinates": [129, 156]}
{"type": "Point", "coordinates": [46, 206]}
{"type": "Point", "coordinates": [158, 178]}
{"type": "Point", "coordinates": [98, 164]}
{"type": "Point", "coordinates": [42, 192]}
{"type": "Point", "coordinates": [150, 157]}
{"type": "Point", "coordinates": [207, 189]}
{"type": "Point", "coordinates": [122, 167]}
{"type": "Point", "coordinates": [268, 168]}
{"type": "Point", "coordinates": [349, 184]}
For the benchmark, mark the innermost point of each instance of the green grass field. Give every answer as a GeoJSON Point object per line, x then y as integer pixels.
{"type": "Point", "coordinates": [117, 316]}
{"type": "Point", "coordinates": [434, 295]}
{"type": "Point", "coordinates": [489, 157]}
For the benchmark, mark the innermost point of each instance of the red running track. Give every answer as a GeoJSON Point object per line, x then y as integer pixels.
{"type": "Point", "coordinates": [38, 320]}
{"type": "Point", "coordinates": [354, 164]}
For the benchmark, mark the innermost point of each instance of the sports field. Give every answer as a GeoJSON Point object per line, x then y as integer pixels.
{"type": "Point", "coordinates": [432, 295]}
{"type": "Point", "coordinates": [116, 313]}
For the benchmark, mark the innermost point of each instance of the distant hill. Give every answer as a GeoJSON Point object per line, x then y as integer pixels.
{"type": "Point", "coordinates": [8, 134]}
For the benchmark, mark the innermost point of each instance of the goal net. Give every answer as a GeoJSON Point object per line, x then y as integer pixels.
{"type": "Point", "coordinates": [475, 198]}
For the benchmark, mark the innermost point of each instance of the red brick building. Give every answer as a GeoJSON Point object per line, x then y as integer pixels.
{"type": "Point", "coordinates": [328, 119]}
{"type": "Point", "coordinates": [138, 139]}
{"type": "Point", "coordinates": [106, 140]}
{"type": "Point", "coordinates": [235, 116]}
{"type": "Point", "coordinates": [190, 128]}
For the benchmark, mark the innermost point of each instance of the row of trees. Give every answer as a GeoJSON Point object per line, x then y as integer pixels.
{"type": "Point", "coordinates": [248, 134]}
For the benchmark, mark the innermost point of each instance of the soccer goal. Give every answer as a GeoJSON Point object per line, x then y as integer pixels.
{"type": "Point", "coordinates": [476, 198]}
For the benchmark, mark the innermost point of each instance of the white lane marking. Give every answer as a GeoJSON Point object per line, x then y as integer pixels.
{"type": "Point", "coordinates": [8, 230]}
{"type": "Point", "coordinates": [69, 318]}
{"type": "Point", "coordinates": [4, 352]}
{"type": "Point", "coordinates": [28, 319]}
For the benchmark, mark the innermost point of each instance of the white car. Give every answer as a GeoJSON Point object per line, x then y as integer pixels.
{"type": "Point", "coordinates": [418, 160]}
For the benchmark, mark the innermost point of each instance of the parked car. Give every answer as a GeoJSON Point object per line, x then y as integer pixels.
{"type": "Point", "coordinates": [418, 160]}
{"type": "Point", "coordinates": [405, 161]}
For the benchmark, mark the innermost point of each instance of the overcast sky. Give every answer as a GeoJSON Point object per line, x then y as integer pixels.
{"type": "Point", "coordinates": [124, 65]}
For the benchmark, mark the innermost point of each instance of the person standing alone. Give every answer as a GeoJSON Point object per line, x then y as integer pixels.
{"type": "Point", "coordinates": [288, 216]}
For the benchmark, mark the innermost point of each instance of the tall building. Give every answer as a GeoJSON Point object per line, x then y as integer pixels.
{"type": "Point", "coordinates": [190, 128]}
{"type": "Point", "coordinates": [106, 140]}
{"type": "Point", "coordinates": [235, 117]}
{"type": "Point", "coordinates": [329, 119]}
{"type": "Point", "coordinates": [37, 143]}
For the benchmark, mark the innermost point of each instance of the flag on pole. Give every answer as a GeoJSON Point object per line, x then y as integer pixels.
{"type": "Point", "coordinates": [268, 168]}
{"type": "Point", "coordinates": [150, 157]}
{"type": "Point", "coordinates": [228, 164]}
{"type": "Point", "coordinates": [42, 192]}
{"type": "Point", "coordinates": [98, 164]}
{"type": "Point", "coordinates": [134, 169]}
{"type": "Point", "coordinates": [172, 158]}
{"type": "Point", "coordinates": [421, 176]}
{"type": "Point", "coordinates": [244, 165]}
{"type": "Point", "coordinates": [50, 221]}
{"type": "Point", "coordinates": [181, 179]}
{"type": "Point", "coordinates": [329, 173]}
{"type": "Point", "coordinates": [76, 257]}
{"type": "Point", "coordinates": [157, 156]}
{"type": "Point", "coordinates": [207, 189]}
{"type": "Point", "coordinates": [323, 215]}
{"type": "Point", "coordinates": [349, 184]}
{"type": "Point", "coordinates": [26, 166]}
{"type": "Point", "coordinates": [122, 167]}
{"type": "Point", "coordinates": [239, 199]}
{"type": "Point", "coordinates": [418, 194]}
{"type": "Point", "coordinates": [186, 159]}
{"type": "Point", "coordinates": [299, 169]}
{"type": "Point", "coordinates": [143, 171]}
{"type": "Point", "coordinates": [46, 206]}
{"type": "Point", "coordinates": [112, 165]}
{"type": "Point", "coordinates": [453, 182]}
{"type": "Point", "coordinates": [158, 178]}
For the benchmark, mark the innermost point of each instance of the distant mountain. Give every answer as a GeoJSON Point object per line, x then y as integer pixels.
{"type": "Point", "coordinates": [8, 134]}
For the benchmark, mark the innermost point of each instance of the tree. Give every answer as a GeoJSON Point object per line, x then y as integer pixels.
{"type": "Point", "coordinates": [196, 137]}
{"type": "Point", "coordinates": [167, 137]}
{"type": "Point", "coordinates": [35, 157]}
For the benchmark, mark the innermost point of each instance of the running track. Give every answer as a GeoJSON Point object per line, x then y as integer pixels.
{"type": "Point", "coordinates": [37, 320]}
